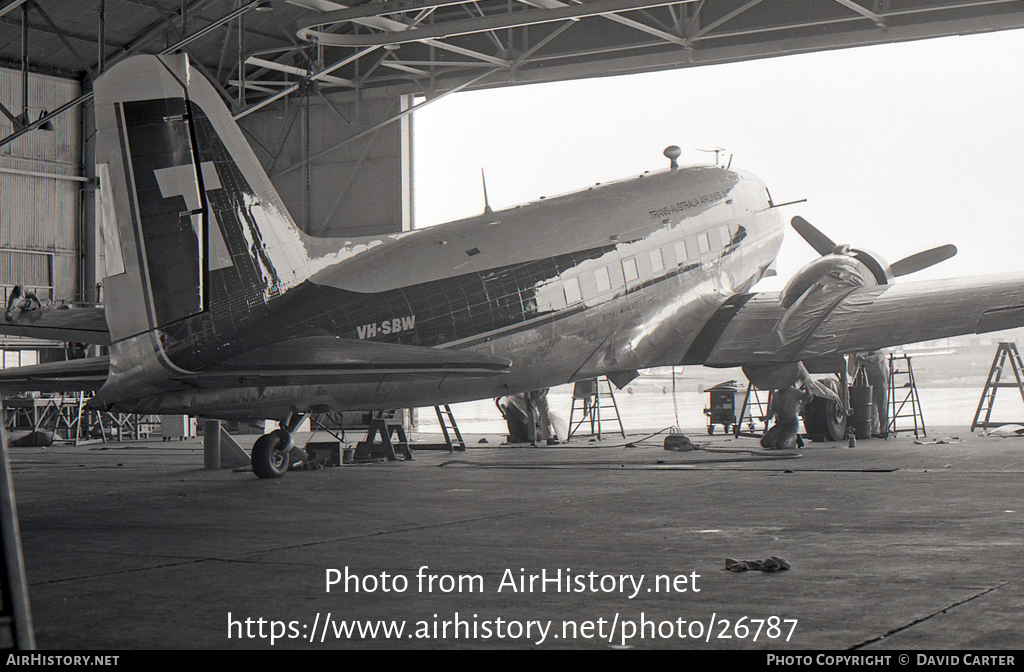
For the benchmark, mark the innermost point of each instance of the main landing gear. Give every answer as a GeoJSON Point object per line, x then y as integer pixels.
{"type": "Point", "coordinates": [824, 419]}
{"type": "Point", "coordinates": [273, 453]}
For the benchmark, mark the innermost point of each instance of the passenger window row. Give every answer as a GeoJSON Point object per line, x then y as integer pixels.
{"type": "Point", "coordinates": [653, 264]}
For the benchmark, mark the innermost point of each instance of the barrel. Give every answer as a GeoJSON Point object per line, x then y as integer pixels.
{"type": "Point", "coordinates": [863, 410]}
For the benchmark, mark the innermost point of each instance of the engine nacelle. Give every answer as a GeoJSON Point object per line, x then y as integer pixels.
{"type": "Point", "coordinates": [844, 268]}
{"type": "Point", "coordinates": [774, 376]}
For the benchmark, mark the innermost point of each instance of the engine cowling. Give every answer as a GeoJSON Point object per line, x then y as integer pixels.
{"type": "Point", "coordinates": [844, 268]}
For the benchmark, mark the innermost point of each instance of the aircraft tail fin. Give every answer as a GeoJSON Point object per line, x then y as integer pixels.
{"type": "Point", "coordinates": [192, 226]}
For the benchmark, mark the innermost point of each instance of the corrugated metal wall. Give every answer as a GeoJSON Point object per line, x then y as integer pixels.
{"type": "Point", "coordinates": [38, 213]}
{"type": "Point", "coordinates": [356, 189]}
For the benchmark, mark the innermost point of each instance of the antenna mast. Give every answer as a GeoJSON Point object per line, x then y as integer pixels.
{"type": "Point", "coordinates": [487, 203]}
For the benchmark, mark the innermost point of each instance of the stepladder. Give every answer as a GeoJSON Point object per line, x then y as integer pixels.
{"type": "Point", "coordinates": [590, 401]}
{"type": "Point", "coordinates": [1006, 353]}
{"type": "Point", "coordinates": [904, 402]}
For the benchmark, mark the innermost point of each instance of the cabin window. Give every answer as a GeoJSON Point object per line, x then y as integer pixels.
{"type": "Point", "coordinates": [657, 261]}
{"type": "Point", "coordinates": [682, 254]}
{"type": "Point", "coordinates": [691, 249]}
{"type": "Point", "coordinates": [602, 280]}
{"type": "Point", "coordinates": [704, 243]}
{"type": "Point", "coordinates": [572, 290]}
{"type": "Point", "coordinates": [629, 270]}
{"type": "Point", "coordinates": [723, 231]}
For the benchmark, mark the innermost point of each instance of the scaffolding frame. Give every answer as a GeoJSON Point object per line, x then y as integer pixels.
{"type": "Point", "coordinates": [68, 419]}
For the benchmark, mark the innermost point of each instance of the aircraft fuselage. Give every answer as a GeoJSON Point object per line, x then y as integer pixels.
{"type": "Point", "coordinates": [610, 279]}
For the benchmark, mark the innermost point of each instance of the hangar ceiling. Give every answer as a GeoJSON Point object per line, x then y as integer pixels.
{"type": "Point", "coordinates": [317, 84]}
{"type": "Point", "coordinates": [258, 51]}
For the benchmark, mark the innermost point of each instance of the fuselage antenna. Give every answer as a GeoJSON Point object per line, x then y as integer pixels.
{"type": "Point", "coordinates": [672, 153]}
{"type": "Point", "coordinates": [716, 150]}
{"type": "Point", "coordinates": [487, 203]}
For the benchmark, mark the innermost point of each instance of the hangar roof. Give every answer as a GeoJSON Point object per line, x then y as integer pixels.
{"type": "Point", "coordinates": [428, 47]}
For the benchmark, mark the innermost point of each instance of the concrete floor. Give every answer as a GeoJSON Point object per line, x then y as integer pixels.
{"type": "Point", "coordinates": [892, 544]}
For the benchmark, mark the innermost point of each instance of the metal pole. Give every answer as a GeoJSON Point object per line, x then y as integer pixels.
{"type": "Point", "coordinates": [211, 444]}
{"type": "Point", "coordinates": [24, 63]}
{"type": "Point", "coordinates": [101, 39]}
{"type": "Point", "coordinates": [307, 168]}
{"type": "Point", "coordinates": [241, 62]}
{"type": "Point", "coordinates": [16, 584]}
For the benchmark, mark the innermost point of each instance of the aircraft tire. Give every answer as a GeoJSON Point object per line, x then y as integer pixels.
{"type": "Point", "coordinates": [824, 420]}
{"type": "Point", "coordinates": [270, 454]}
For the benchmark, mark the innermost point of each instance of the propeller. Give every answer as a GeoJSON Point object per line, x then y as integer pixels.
{"type": "Point", "coordinates": [823, 245]}
{"type": "Point", "coordinates": [922, 260]}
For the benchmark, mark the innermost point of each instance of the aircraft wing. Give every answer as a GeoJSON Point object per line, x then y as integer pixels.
{"type": "Point", "coordinates": [324, 358]}
{"type": "Point", "coordinates": [76, 375]}
{"type": "Point", "coordinates": [74, 324]}
{"type": "Point", "coordinates": [747, 330]}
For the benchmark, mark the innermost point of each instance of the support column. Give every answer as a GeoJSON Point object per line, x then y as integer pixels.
{"type": "Point", "coordinates": [211, 444]}
{"type": "Point", "coordinates": [15, 614]}
{"type": "Point", "coordinates": [90, 239]}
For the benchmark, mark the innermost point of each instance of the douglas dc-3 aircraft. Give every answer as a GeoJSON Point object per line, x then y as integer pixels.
{"type": "Point", "coordinates": [217, 305]}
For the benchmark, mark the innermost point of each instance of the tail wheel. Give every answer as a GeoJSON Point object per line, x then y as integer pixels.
{"type": "Point", "coordinates": [270, 454]}
{"type": "Point", "coordinates": [824, 419]}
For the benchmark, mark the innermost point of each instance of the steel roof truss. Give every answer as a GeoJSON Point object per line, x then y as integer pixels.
{"type": "Point", "coordinates": [465, 52]}
{"type": "Point", "coordinates": [644, 28]}
{"type": "Point", "coordinates": [865, 12]}
{"type": "Point", "coordinates": [397, 32]}
{"type": "Point", "coordinates": [398, 65]}
{"type": "Point", "coordinates": [540, 45]}
{"type": "Point", "coordinates": [301, 72]}
{"type": "Point", "coordinates": [63, 39]}
{"type": "Point", "coordinates": [728, 17]}
{"type": "Point", "coordinates": [262, 87]}
{"type": "Point", "coordinates": [13, 5]}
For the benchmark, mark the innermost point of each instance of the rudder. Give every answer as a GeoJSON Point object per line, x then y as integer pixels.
{"type": "Point", "coordinates": [199, 233]}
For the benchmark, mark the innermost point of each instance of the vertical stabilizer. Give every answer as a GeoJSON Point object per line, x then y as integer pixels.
{"type": "Point", "coordinates": [199, 234]}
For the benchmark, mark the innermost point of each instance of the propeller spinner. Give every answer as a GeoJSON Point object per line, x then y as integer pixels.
{"type": "Point", "coordinates": [823, 245]}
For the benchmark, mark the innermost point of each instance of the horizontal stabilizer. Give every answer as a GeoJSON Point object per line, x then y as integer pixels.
{"type": "Point", "coordinates": [71, 325]}
{"type": "Point", "coordinates": [322, 358]}
{"type": "Point", "coordinates": [76, 375]}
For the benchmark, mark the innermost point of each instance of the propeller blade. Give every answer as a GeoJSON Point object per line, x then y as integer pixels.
{"type": "Point", "coordinates": [816, 239]}
{"type": "Point", "coordinates": [922, 260]}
